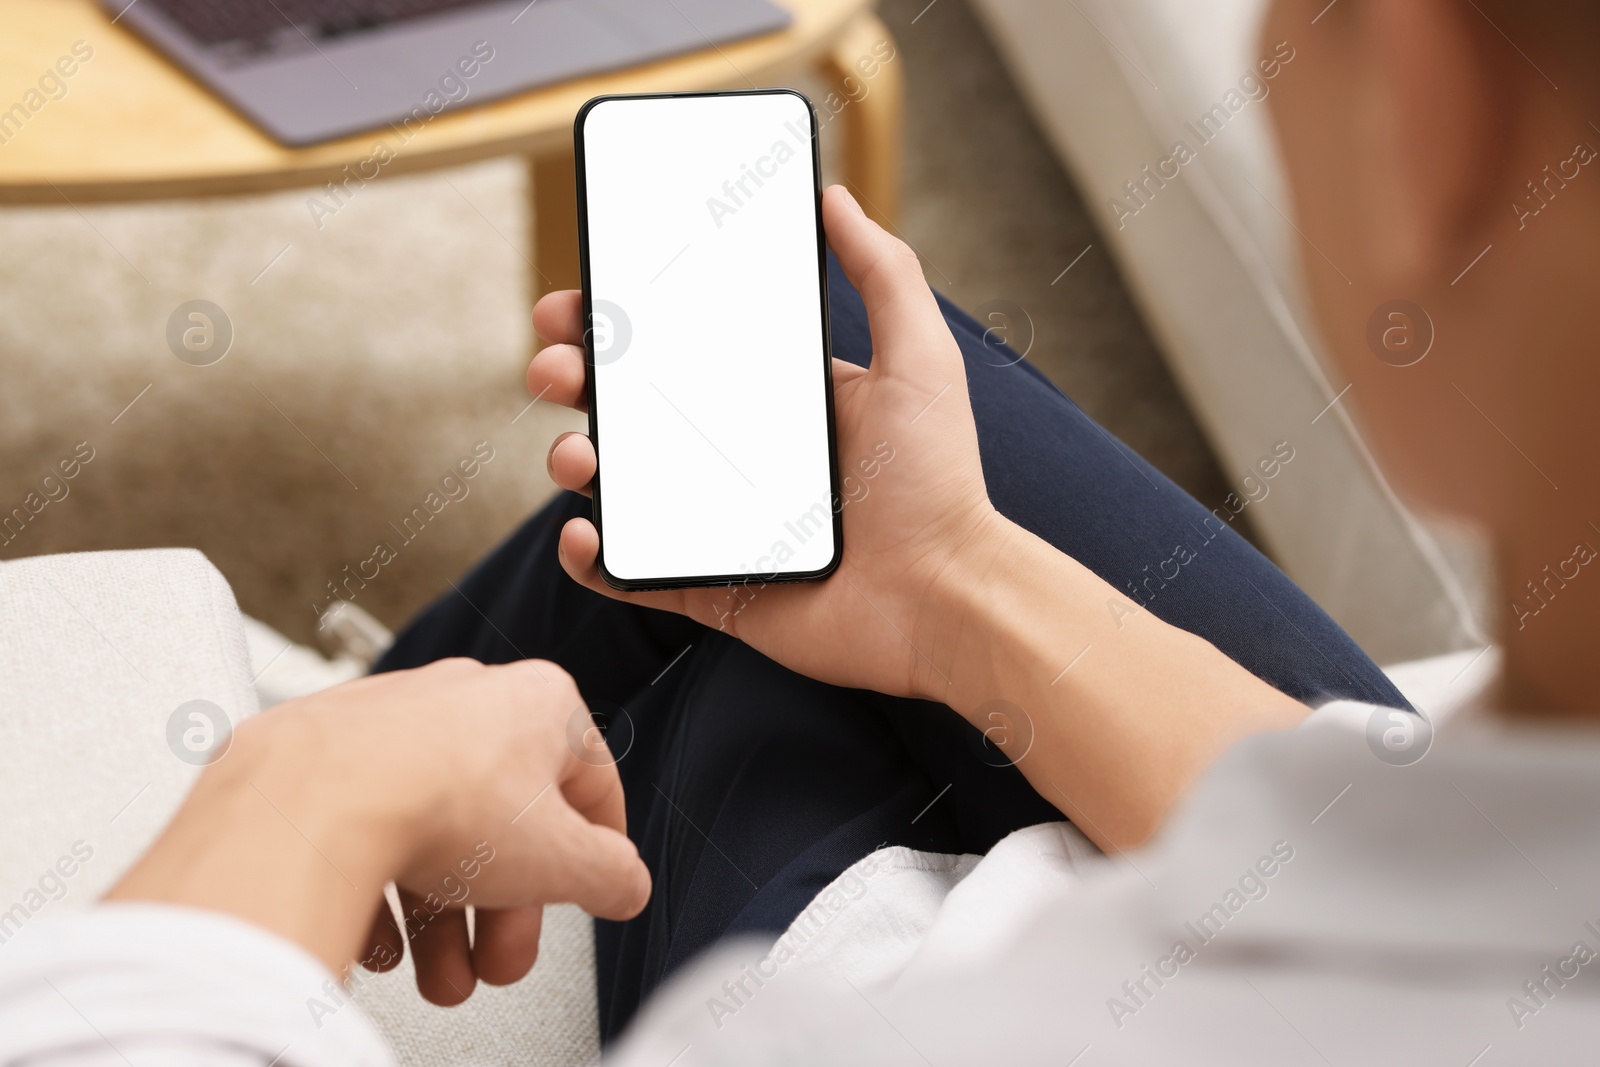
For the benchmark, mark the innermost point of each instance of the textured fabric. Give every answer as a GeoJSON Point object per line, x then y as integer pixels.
{"type": "Point", "coordinates": [284, 670]}
{"type": "Point", "coordinates": [751, 788]}
{"type": "Point", "coordinates": [394, 336]}
{"type": "Point", "coordinates": [97, 651]}
{"type": "Point", "coordinates": [546, 1020]}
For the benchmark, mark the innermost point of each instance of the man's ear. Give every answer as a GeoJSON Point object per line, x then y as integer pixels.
{"type": "Point", "coordinates": [1435, 114]}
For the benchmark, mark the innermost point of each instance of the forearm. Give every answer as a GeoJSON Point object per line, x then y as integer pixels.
{"type": "Point", "coordinates": [419, 777]}
{"type": "Point", "coordinates": [272, 836]}
{"type": "Point", "coordinates": [1108, 711]}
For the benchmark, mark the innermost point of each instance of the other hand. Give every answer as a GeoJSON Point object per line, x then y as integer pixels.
{"type": "Point", "coordinates": [463, 784]}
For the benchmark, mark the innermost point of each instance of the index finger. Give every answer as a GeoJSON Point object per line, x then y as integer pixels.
{"type": "Point", "coordinates": [590, 865]}
{"type": "Point", "coordinates": [903, 316]}
{"type": "Point", "coordinates": [558, 317]}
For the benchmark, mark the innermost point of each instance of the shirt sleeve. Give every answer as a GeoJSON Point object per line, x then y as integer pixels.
{"type": "Point", "coordinates": [149, 983]}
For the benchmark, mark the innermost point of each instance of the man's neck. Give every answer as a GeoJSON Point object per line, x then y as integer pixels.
{"type": "Point", "coordinates": [1549, 581]}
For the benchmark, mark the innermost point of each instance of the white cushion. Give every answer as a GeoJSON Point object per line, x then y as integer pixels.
{"type": "Point", "coordinates": [99, 649]}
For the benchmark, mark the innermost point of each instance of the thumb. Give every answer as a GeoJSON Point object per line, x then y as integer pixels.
{"type": "Point", "coordinates": [907, 326]}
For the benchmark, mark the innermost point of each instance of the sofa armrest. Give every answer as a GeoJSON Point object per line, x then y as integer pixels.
{"type": "Point", "coordinates": [99, 650]}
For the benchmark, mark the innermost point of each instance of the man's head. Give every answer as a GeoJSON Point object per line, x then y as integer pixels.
{"type": "Point", "coordinates": [1444, 157]}
{"type": "Point", "coordinates": [1447, 153]}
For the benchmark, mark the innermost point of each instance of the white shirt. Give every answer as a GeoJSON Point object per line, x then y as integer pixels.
{"type": "Point", "coordinates": [152, 984]}
{"type": "Point", "coordinates": [1311, 902]}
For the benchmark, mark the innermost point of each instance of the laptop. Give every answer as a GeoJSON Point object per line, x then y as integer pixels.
{"type": "Point", "coordinates": [313, 70]}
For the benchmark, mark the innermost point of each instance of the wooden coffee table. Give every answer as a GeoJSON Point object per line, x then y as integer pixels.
{"type": "Point", "coordinates": [132, 126]}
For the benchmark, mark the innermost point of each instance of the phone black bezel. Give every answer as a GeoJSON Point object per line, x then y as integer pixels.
{"type": "Point", "coordinates": [628, 584]}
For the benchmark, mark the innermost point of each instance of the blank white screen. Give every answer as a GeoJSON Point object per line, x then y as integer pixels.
{"type": "Point", "coordinates": [710, 389]}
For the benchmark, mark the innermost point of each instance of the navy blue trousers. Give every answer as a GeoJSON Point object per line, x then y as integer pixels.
{"type": "Point", "coordinates": [750, 788]}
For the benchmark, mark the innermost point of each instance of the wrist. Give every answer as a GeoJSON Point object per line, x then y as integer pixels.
{"type": "Point", "coordinates": [953, 621]}
{"type": "Point", "coordinates": [280, 833]}
{"type": "Point", "coordinates": [356, 804]}
{"type": "Point", "coordinates": [1010, 617]}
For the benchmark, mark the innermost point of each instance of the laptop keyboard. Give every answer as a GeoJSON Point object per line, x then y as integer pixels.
{"type": "Point", "coordinates": [266, 25]}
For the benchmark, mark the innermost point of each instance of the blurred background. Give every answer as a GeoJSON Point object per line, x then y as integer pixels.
{"type": "Point", "coordinates": [375, 346]}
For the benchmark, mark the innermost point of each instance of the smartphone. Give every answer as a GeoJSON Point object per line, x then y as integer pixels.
{"type": "Point", "coordinates": [706, 302]}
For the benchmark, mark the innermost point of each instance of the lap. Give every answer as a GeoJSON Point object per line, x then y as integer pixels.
{"type": "Point", "coordinates": [750, 787]}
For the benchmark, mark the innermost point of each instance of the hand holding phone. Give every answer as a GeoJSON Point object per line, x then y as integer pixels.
{"type": "Point", "coordinates": [916, 505]}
